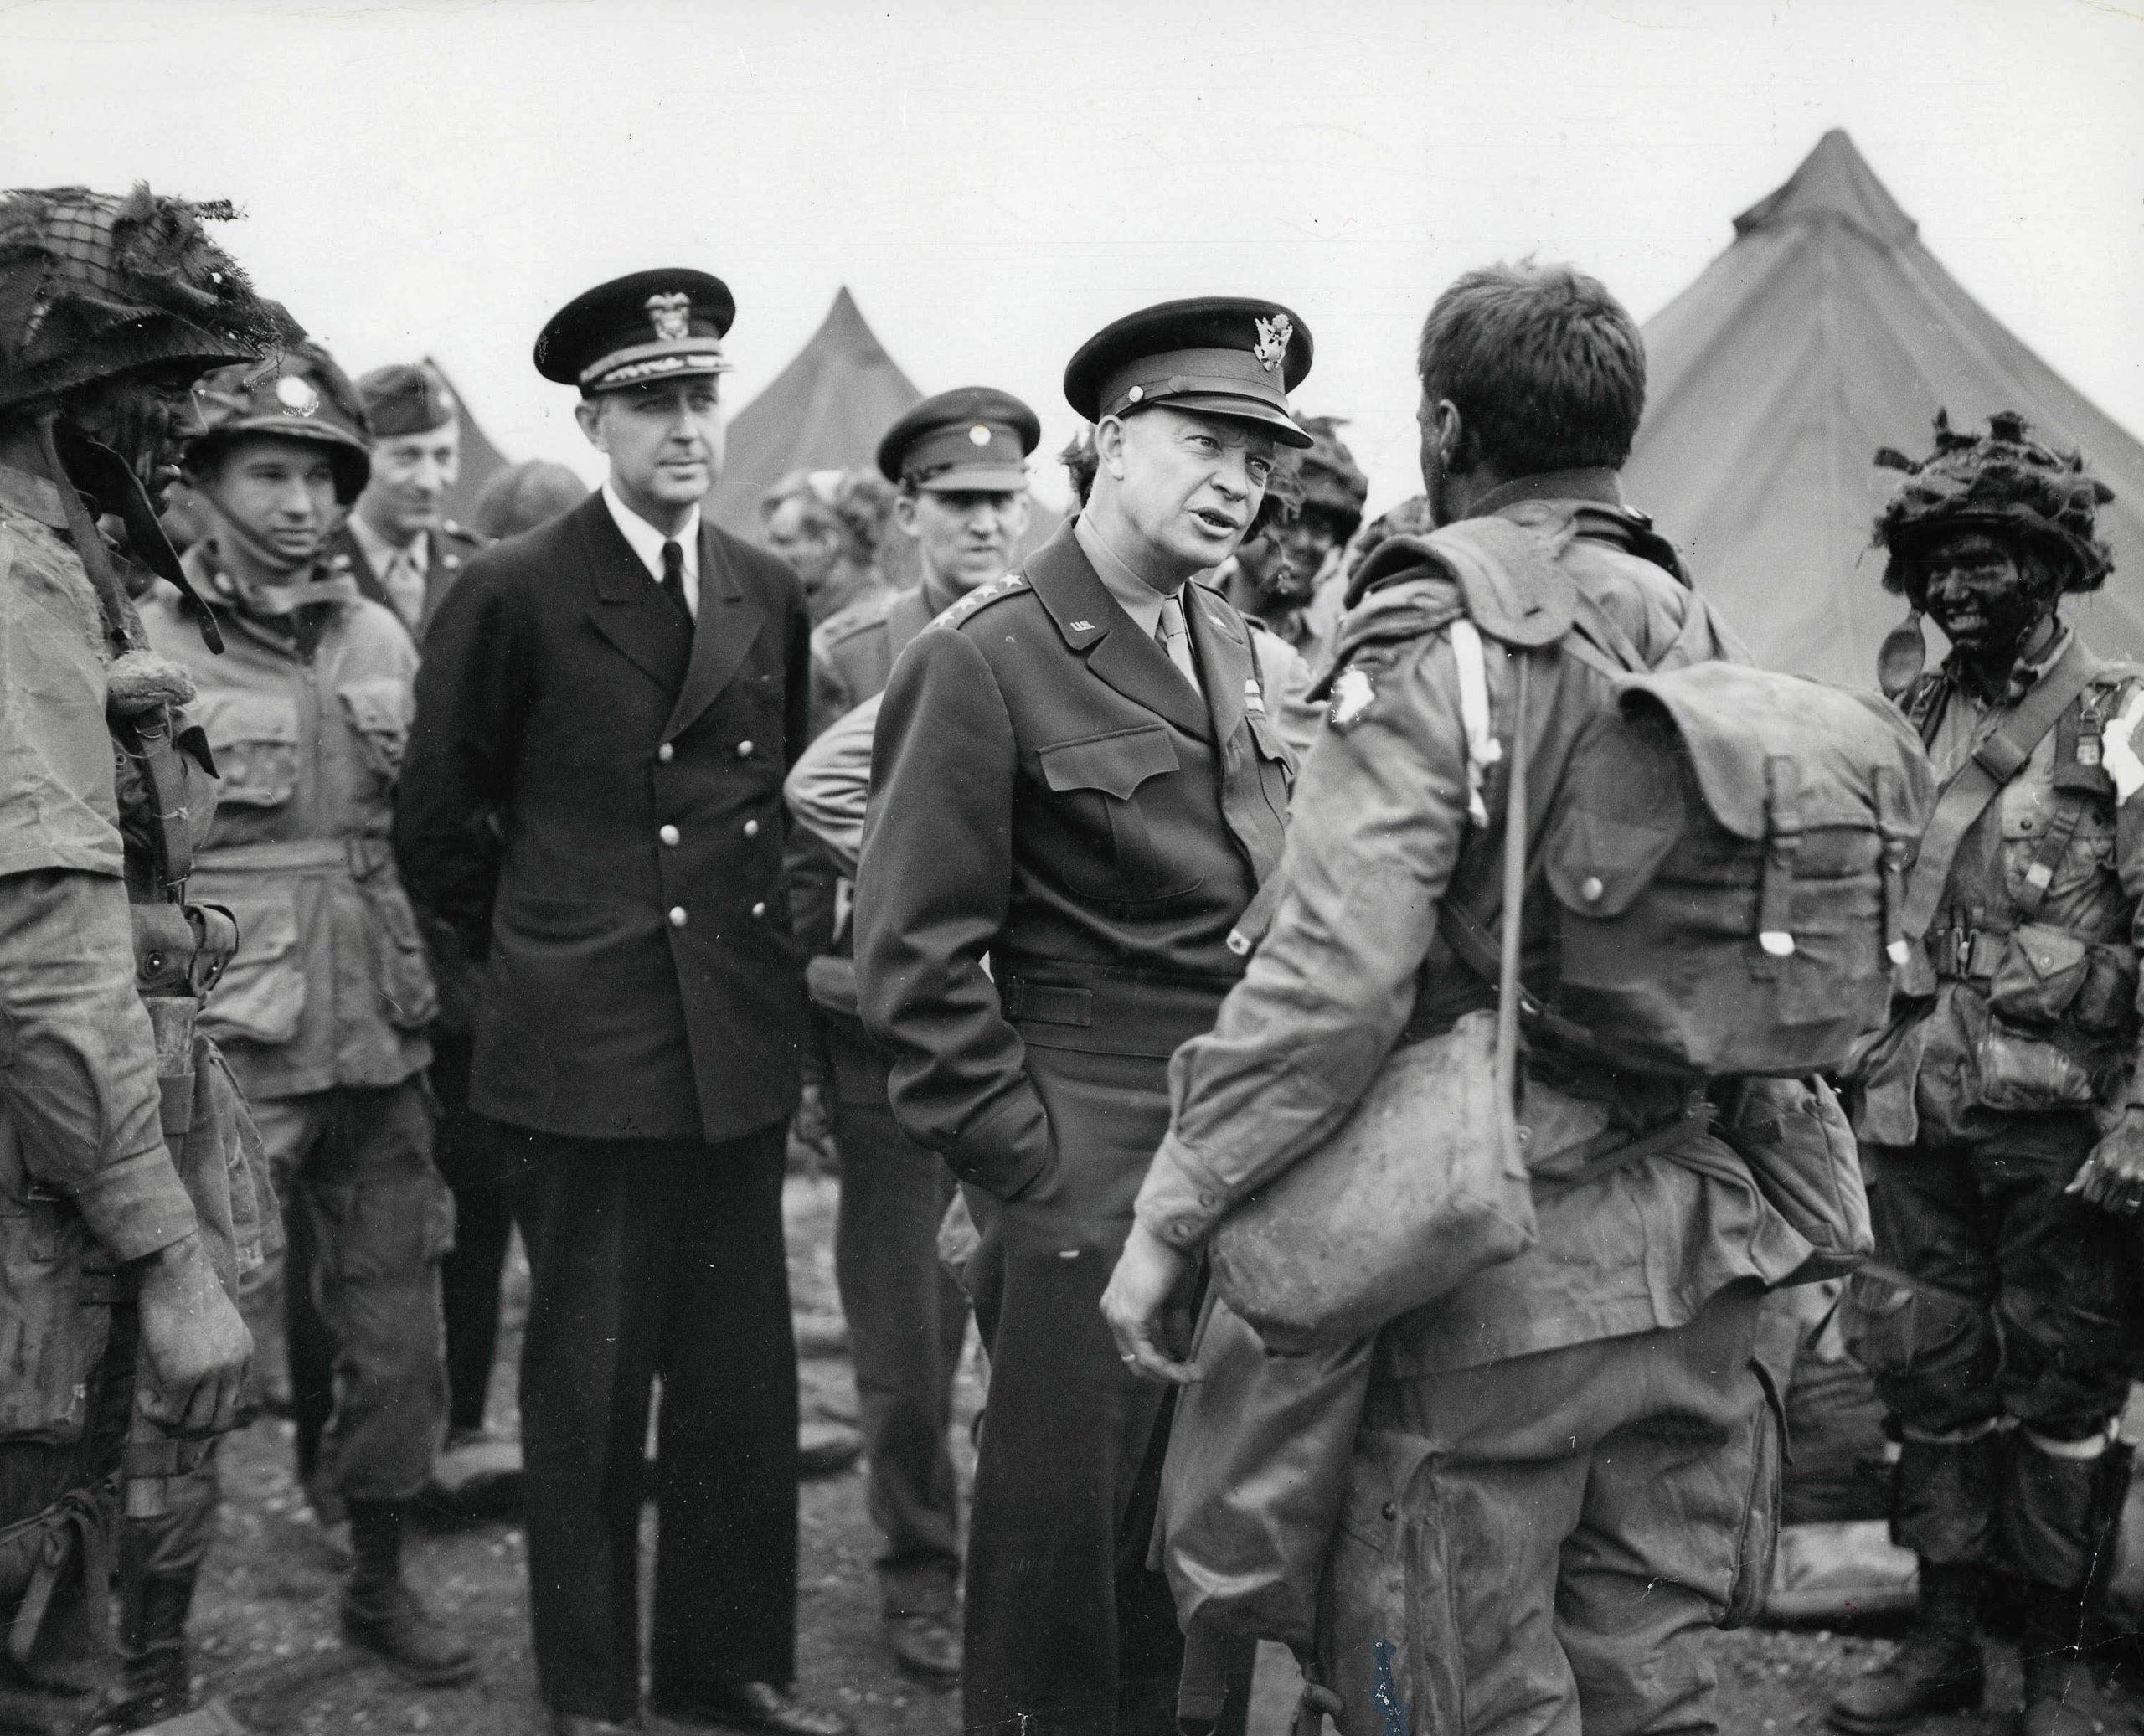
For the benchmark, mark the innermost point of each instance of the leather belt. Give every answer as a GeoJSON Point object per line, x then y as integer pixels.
{"type": "Point", "coordinates": [358, 857]}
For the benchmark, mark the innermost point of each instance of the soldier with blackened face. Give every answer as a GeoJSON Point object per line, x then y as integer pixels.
{"type": "Point", "coordinates": [2001, 1116]}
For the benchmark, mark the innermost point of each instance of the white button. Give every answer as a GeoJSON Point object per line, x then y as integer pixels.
{"type": "Point", "coordinates": [666, 753]}
{"type": "Point", "coordinates": [676, 916]}
{"type": "Point", "coordinates": [759, 909]}
{"type": "Point", "coordinates": [751, 828]}
{"type": "Point", "coordinates": [744, 750]}
{"type": "Point", "coordinates": [1591, 888]}
{"type": "Point", "coordinates": [668, 834]}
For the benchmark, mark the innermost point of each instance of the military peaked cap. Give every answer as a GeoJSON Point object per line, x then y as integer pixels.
{"type": "Point", "coordinates": [973, 438]}
{"type": "Point", "coordinates": [1214, 355]}
{"type": "Point", "coordinates": [666, 324]}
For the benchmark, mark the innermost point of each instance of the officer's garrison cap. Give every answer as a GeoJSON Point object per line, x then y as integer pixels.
{"type": "Point", "coordinates": [972, 438]}
{"type": "Point", "coordinates": [660, 325]}
{"type": "Point", "coordinates": [1214, 355]}
{"type": "Point", "coordinates": [406, 398]}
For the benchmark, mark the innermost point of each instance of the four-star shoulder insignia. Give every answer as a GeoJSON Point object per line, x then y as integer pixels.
{"type": "Point", "coordinates": [981, 598]}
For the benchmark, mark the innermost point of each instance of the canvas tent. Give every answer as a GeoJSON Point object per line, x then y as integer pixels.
{"type": "Point", "coordinates": [826, 411]}
{"type": "Point", "coordinates": [1825, 331]}
{"type": "Point", "coordinates": [481, 460]}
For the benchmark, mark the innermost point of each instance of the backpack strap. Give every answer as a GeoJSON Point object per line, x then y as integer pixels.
{"type": "Point", "coordinates": [1969, 790]}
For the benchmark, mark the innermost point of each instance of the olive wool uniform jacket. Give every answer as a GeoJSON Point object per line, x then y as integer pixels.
{"type": "Point", "coordinates": [1050, 791]}
{"type": "Point", "coordinates": [641, 983]}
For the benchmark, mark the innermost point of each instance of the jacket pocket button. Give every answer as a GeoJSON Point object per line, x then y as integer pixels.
{"type": "Point", "coordinates": [751, 828]}
{"type": "Point", "coordinates": [676, 916]}
{"type": "Point", "coordinates": [759, 909]}
{"type": "Point", "coordinates": [744, 750]}
{"type": "Point", "coordinates": [668, 834]}
{"type": "Point", "coordinates": [1591, 888]}
{"type": "Point", "coordinates": [666, 753]}
{"type": "Point", "coordinates": [1390, 1510]}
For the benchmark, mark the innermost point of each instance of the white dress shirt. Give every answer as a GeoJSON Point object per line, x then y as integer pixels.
{"type": "Point", "coordinates": [647, 543]}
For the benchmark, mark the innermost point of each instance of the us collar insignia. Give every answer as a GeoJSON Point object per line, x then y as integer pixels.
{"type": "Point", "coordinates": [671, 316]}
{"type": "Point", "coordinates": [1271, 348]}
{"type": "Point", "coordinates": [296, 396]}
{"type": "Point", "coordinates": [1352, 696]}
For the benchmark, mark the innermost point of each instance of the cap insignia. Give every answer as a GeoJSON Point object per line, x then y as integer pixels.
{"type": "Point", "coordinates": [978, 435]}
{"type": "Point", "coordinates": [296, 396]}
{"type": "Point", "coordinates": [671, 315]}
{"type": "Point", "coordinates": [1271, 348]}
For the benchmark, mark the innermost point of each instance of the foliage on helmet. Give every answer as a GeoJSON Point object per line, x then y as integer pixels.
{"type": "Point", "coordinates": [93, 285]}
{"type": "Point", "coordinates": [1332, 481]}
{"type": "Point", "coordinates": [2000, 480]}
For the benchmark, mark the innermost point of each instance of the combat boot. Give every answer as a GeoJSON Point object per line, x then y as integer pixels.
{"type": "Point", "coordinates": [2059, 1693]}
{"type": "Point", "coordinates": [1937, 1666]}
{"type": "Point", "coordinates": [384, 1614]}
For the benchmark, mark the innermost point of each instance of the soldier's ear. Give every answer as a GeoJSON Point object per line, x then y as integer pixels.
{"type": "Point", "coordinates": [1109, 445]}
{"type": "Point", "coordinates": [904, 513]}
{"type": "Point", "coordinates": [589, 413]}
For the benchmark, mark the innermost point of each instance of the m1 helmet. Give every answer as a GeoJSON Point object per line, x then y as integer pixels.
{"type": "Point", "coordinates": [298, 395]}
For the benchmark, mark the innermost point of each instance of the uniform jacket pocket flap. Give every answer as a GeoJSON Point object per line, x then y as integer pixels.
{"type": "Point", "coordinates": [2039, 974]}
{"type": "Point", "coordinates": [229, 718]}
{"type": "Point", "coordinates": [379, 706]}
{"type": "Point", "coordinates": [261, 997]}
{"type": "Point", "coordinates": [1598, 862]}
{"type": "Point", "coordinates": [1269, 744]}
{"type": "Point", "coordinates": [1115, 764]}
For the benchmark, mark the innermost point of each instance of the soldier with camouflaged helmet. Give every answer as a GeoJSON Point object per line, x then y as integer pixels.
{"type": "Point", "coordinates": [2000, 1120]}
{"type": "Point", "coordinates": [112, 306]}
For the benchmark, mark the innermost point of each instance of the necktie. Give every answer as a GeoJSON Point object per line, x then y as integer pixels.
{"type": "Point", "coordinates": [673, 578]}
{"type": "Point", "coordinates": [1174, 635]}
{"type": "Point", "coordinates": [404, 582]}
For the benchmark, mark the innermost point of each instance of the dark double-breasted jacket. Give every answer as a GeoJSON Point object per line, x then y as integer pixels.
{"type": "Point", "coordinates": [1048, 791]}
{"type": "Point", "coordinates": [594, 790]}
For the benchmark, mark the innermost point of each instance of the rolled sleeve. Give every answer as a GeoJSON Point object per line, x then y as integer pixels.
{"type": "Point", "coordinates": [1379, 815]}
{"type": "Point", "coordinates": [78, 1068]}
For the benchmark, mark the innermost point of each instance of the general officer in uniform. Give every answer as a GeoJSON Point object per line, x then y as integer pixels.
{"type": "Point", "coordinates": [1076, 777]}
{"type": "Point", "coordinates": [606, 707]}
{"type": "Point", "coordinates": [960, 462]}
{"type": "Point", "coordinates": [2002, 1112]}
{"type": "Point", "coordinates": [403, 549]}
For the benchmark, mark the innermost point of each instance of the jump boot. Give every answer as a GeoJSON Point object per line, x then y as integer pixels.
{"type": "Point", "coordinates": [382, 1612]}
{"type": "Point", "coordinates": [2059, 1694]}
{"type": "Point", "coordinates": [1937, 1666]}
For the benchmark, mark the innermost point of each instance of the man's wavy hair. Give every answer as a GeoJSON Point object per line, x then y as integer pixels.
{"type": "Point", "coordinates": [1546, 367]}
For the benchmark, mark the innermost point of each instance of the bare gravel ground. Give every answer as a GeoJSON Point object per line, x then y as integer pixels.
{"type": "Point", "coordinates": [265, 1635]}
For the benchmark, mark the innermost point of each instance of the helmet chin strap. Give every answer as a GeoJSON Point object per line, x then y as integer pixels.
{"type": "Point", "coordinates": [117, 489]}
{"type": "Point", "coordinates": [283, 595]}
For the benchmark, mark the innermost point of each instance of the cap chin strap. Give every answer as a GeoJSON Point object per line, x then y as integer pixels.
{"type": "Point", "coordinates": [117, 488]}
{"type": "Point", "coordinates": [255, 596]}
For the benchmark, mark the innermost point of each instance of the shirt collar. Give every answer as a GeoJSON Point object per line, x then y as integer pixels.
{"type": "Point", "coordinates": [647, 541]}
{"type": "Point", "coordinates": [2024, 675]}
{"type": "Point", "coordinates": [380, 553]}
{"type": "Point", "coordinates": [1134, 596]}
{"type": "Point", "coordinates": [1602, 486]}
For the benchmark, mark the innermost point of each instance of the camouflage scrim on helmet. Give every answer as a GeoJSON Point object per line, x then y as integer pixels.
{"type": "Point", "coordinates": [2002, 480]}
{"type": "Point", "coordinates": [1333, 483]}
{"type": "Point", "coordinates": [95, 284]}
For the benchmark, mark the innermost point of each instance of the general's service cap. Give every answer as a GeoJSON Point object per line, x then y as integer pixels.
{"type": "Point", "coordinates": [973, 438]}
{"type": "Point", "coordinates": [406, 398]}
{"type": "Point", "coordinates": [1214, 355]}
{"type": "Point", "coordinates": [666, 324]}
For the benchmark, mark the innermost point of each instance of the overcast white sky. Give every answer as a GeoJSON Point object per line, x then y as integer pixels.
{"type": "Point", "coordinates": [995, 181]}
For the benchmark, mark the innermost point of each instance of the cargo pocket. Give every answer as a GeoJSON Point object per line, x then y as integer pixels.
{"type": "Point", "coordinates": [260, 997]}
{"type": "Point", "coordinates": [388, 1230]}
{"type": "Point", "coordinates": [1759, 1541]}
{"type": "Point", "coordinates": [402, 974]}
{"type": "Point", "coordinates": [2020, 1072]}
{"type": "Point", "coordinates": [51, 1341]}
{"type": "Point", "coordinates": [379, 715]}
{"type": "Point", "coordinates": [2040, 973]}
{"type": "Point", "coordinates": [254, 738]}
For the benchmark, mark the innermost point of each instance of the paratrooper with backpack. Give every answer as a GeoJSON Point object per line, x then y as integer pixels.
{"type": "Point", "coordinates": [1525, 1114]}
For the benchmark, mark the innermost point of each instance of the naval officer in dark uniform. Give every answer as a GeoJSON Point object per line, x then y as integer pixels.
{"type": "Point", "coordinates": [1075, 775]}
{"type": "Point", "coordinates": [606, 710]}
{"type": "Point", "coordinates": [960, 462]}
